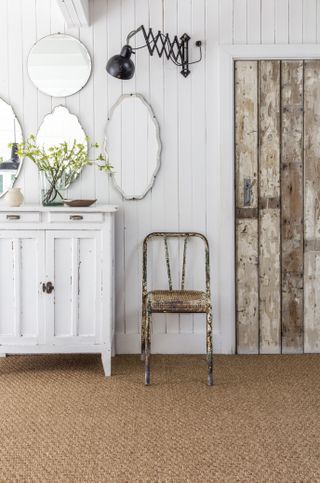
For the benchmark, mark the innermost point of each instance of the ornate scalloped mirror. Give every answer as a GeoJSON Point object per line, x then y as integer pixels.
{"type": "Point", "coordinates": [133, 146]}
{"type": "Point", "coordinates": [10, 132]}
{"type": "Point", "coordinates": [59, 126]}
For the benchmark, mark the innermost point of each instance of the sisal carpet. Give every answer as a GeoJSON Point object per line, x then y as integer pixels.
{"type": "Point", "coordinates": [61, 421]}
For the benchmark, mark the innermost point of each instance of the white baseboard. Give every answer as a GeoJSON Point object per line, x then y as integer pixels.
{"type": "Point", "coordinates": [167, 344]}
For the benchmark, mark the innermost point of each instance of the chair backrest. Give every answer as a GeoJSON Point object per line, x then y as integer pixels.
{"type": "Point", "coordinates": [165, 236]}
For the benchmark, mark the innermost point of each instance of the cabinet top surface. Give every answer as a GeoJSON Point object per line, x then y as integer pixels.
{"type": "Point", "coordinates": [97, 208]}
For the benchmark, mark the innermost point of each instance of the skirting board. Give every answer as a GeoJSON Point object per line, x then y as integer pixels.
{"type": "Point", "coordinates": [163, 344]}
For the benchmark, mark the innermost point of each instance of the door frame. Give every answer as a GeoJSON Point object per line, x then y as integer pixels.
{"type": "Point", "coordinates": [227, 55]}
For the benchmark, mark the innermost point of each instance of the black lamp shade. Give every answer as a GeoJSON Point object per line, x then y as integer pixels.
{"type": "Point", "coordinates": [121, 66]}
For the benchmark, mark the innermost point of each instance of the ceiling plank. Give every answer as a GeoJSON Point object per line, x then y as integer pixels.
{"type": "Point", "coordinates": [75, 12]}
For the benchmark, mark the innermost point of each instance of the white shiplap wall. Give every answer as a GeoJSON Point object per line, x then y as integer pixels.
{"type": "Point", "coordinates": [186, 194]}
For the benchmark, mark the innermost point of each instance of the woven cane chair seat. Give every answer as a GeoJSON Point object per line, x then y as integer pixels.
{"type": "Point", "coordinates": [178, 301]}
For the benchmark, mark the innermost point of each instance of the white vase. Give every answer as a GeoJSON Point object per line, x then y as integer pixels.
{"type": "Point", "coordinates": [14, 197]}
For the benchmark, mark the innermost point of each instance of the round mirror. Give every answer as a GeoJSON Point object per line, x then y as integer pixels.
{"type": "Point", "coordinates": [59, 65]}
{"type": "Point", "coordinates": [61, 126]}
{"type": "Point", "coordinates": [10, 133]}
{"type": "Point", "coordinates": [133, 145]}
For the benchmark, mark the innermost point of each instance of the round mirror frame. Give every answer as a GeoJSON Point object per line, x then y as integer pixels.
{"type": "Point", "coordinates": [22, 159]}
{"type": "Point", "coordinates": [73, 38]}
{"type": "Point", "coordinates": [158, 139]}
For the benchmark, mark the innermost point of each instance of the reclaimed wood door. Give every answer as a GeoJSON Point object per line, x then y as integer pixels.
{"type": "Point", "coordinates": [73, 266]}
{"type": "Point", "coordinates": [277, 197]}
{"type": "Point", "coordinates": [21, 276]}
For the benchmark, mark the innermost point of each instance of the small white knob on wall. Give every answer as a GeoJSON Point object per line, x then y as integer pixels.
{"type": "Point", "coordinates": [14, 197]}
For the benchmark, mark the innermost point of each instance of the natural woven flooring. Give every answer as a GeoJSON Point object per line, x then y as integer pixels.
{"type": "Point", "coordinates": [61, 421]}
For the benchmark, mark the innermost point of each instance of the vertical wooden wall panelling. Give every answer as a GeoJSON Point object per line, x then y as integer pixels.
{"type": "Point", "coordinates": [240, 25]}
{"type": "Point", "coordinates": [30, 98]}
{"type": "Point", "coordinates": [171, 146]}
{"type": "Point", "coordinates": [143, 85]}
{"type": "Point", "coordinates": [15, 68]}
{"type": "Point", "coordinates": [246, 141]}
{"type": "Point", "coordinates": [56, 25]}
{"type": "Point", "coordinates": [318, 21]}
{"type": "Point", "coordinates": [4, 58]}
{"type": "Point", "coordinates": [214, 164]}
{"type": "Point", "coordinates": [39, 18]}
{"type": "Point", "coordinates": [309, 26]}
{"type": "Point", "coordinates": [42, 29]}
{"type": "Point", "coordinates": [114, 42]}
{"type": "Point", "coordinates": [269, 207]}
{"type": "Point", "coordinates": [295, 21]}
{"type": "Point", "coordinates": [281, 21]}
{"type": "Point", "coordinates": [101, 85]}
{"type": "Point", "coordinates": [130, 208]}
{"type": "Point", "coordinates": [253, 22]}
{"type": "Point", "coordinates": [157, 274]}
{"type": "Point", "coordinates": [73, 104]}
{"type": "Point", "coordinates": [292, 205]}
{"type": "Point", "coordinates": [267, 21]}
{"type": "Point", "coordinates": [186, 162]}
{"type": "Point", "coordinates": [86, 115]}
{"type": "Point", "coordinates": [226, 21]}
{"type": "Point", "coordinates": [312, 206]}
{"type": "Point", "coordinates": [198, 159]}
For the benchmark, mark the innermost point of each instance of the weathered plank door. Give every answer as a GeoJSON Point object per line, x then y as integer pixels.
{"type": "Point", "coordinates": [73, 265]}
{"type": "Point", "coordinates": [277, 183]}
{"type": "Point", "coordinates": [312, 206]}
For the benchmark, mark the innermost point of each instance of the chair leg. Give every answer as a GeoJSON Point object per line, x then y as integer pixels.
{"type": "Point", "coordinates": [209, 347]}
{"type": "Point", "coordinates": [147, 348]}
{"type": "Point", "coordinates": [143, 332]}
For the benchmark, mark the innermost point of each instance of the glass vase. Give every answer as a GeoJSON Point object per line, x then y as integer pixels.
{"type": "Point", "coordinates": [52, 192]}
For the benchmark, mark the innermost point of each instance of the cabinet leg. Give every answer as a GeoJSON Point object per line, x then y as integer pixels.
{"type": "Point", "coordinates": [113, 347]}
{"type": "Point", "coordinates": [106, 362]}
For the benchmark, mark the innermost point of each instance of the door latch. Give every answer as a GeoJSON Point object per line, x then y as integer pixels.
{"type": "Point", "coordinates": [47, 287]}
{"type": "Point", "coordinates": [247, 192]}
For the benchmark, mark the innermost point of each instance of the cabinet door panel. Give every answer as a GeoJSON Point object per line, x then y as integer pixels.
{"type": "Point", "coordinates": [21, 262]}
{"type": "Point", "coordinates": [74, 307]}
{"type": "Point", "coordinates": [87, 288]}
{"type": "Point", "coordinates": [62, 281]}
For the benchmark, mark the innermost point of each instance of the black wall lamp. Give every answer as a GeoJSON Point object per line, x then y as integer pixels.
{"type": "Point", "coordinates": [122, 67]}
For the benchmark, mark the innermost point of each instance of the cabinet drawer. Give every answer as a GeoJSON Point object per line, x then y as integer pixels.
{"type": "Point", "coordinates": [76, 217]}
{"type": "Point", "coordinates": [19, 217]}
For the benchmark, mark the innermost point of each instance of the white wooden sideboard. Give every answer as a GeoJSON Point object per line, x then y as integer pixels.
{"type": "Point", "coordinates": [57, 280]}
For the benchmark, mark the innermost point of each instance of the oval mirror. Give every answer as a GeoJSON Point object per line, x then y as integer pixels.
{"type": "Point", "coordinates": [133, 146]}
{"type": "Point", "coordinates": [61, 126]}
{"type": "Point", "coordinates": [10, 133]}
{"type": "Point", "coordinates": [59, 65]}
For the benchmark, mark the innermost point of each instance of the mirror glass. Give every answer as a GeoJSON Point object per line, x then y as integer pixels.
{"type": "Point", "coordinates": [59, 65]}
{"type": "Point", "coordinates": [10, 132]}
{"type": "Point", "coordinates": [61, 126]}
{"type": "Point", "coordinates": [132, 145]}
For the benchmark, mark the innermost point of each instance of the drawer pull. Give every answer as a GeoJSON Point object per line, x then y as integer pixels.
{"type": "Point", "coordinates": [76, 217]}
{"type": "Point", "coordinates": [13, 217]}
